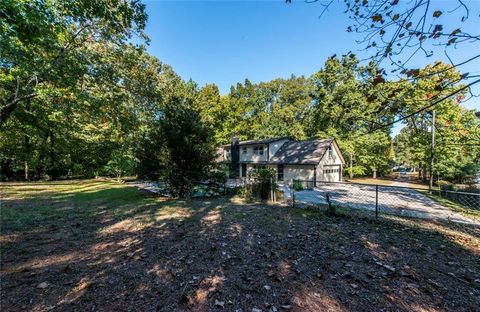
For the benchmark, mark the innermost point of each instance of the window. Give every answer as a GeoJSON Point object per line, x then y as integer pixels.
{"type": "Point", "coordinates": [258, 150]}
{"type": "Point", "coordinates": [330, 151]}
{"type": "Point", "coordinates": [227, 153]}
{"type": "Point", "coordinates": [244, 150]}
{"type": "Point", "coordinates": [280, 173]}
{"type": "Point", "coordinates": [331, 170]}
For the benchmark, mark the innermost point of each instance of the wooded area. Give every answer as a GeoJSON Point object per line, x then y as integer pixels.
{"type": "Point", "coordinates": [81, 96]}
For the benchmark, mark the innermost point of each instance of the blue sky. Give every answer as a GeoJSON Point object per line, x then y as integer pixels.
{"type": "Point", "coordinates": [224, 42]}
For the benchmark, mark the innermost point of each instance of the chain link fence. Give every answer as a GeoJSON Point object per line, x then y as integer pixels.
{"type": "Point", "coordinates": [466, 199]}
{"type": "Point", "coordinates": [379, 198]}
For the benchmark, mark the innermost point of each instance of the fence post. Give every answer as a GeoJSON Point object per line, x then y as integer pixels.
{"type": "Point", "coordinates": [376, 202]}
{"type": "Point", "coordinates": [292, 190]}
{"type": "Point", "coordinates": [271, 190]}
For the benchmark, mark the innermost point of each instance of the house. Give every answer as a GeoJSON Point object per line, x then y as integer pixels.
{"type": "Point", "coordinates": [312, 160]}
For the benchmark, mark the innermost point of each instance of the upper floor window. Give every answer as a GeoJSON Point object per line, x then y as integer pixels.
{"type": "Point", "coordinates": [330, 151]}
{"type": "Point", "coordinates": [258, 150]}
{"type": "Point", "coordinates": [244, 150]}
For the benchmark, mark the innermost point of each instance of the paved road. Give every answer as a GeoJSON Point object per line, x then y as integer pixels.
{"type": "Point", "coordinates": [396, 200]}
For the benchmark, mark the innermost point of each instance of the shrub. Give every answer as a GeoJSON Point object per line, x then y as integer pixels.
{"type": "Point", "coordinates": [448, 187]}
{"type": "Point", "coordinates": [218, 176]}
{"type": "Point", "coordinates": [297, 186]}
{"type": "Point", "coordinates": [442, 184]}
{"type": "Point", "coordinates": [262, 182]}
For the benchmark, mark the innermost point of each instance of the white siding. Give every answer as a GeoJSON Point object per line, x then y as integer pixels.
{"type": "Point", "coordinates": [331, 161]}
{"type": "Point", "coordinates": [250, 156]}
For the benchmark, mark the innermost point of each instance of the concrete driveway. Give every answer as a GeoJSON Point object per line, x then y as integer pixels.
{"type": "Point", "coordinates": [392, 200]}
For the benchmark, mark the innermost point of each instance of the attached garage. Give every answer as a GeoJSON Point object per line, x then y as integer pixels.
{"type": "Point", "coordinates": [299, 172]}
{"type": "Point", "coordinates": [313, 160]}
{"type": "Point", "coordinates": [330, 173]}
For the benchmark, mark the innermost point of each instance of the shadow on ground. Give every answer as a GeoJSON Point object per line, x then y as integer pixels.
{"type": "Point", "coordinates": [103, 246]}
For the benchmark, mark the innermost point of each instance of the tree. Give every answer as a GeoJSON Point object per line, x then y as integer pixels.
{"type": "Point", "coordinates": [457, 128]}
{"type": "Point", "coordinates": [346, 103]}
{"type": "Point", "coordinates": [47, 45]}
{"type": "Point", "coordinates": [187, 150]}
{"type": "Point", "coordinates": [397, 31]}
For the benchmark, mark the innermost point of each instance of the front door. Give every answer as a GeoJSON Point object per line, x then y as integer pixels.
{"type": "Point", "coordinates": [244, 170]}
{"type": "Point", "coordinates": [280, 173]}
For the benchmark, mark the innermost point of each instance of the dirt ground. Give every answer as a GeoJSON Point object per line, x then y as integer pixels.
{"type": "Point", "coordinates": [100, 246]}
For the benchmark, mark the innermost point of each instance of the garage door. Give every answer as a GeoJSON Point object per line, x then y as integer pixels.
{"type": "Point", "coordinates": [332, 173]}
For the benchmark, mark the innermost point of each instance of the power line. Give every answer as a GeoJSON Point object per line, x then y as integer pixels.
{"type": "Point", "coordinates": [426, 107]}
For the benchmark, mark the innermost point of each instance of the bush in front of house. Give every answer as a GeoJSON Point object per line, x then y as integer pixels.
{"type": "Point", "coordinates": [297, 186]}
{"type": "Point", "coordinates": [262, 182]}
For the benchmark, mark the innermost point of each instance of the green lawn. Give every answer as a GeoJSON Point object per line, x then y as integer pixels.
{"type": "Point", "coordinates": [468, 212]}
{"type": "Point", "coordinates": [93, 245]}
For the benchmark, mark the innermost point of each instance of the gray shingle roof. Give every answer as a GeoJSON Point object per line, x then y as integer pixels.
{"type": "Point", "coordinates": [301, 152]}
{"type": "Point", "coordinates": [262, 141]}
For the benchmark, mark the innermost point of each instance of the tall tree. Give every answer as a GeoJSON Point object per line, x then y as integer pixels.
{"type": "Point", "coordinates": [46, 44]}
{"type": "Point", "coordinates": [187, 150]}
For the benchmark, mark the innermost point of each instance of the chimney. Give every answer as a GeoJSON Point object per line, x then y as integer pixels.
{"type": "Point", "coordinates": [235, 157]}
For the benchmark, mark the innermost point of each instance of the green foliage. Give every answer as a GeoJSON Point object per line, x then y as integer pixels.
{"type": "Point", "coordinates": [219, 174]}
{"type": "Point", "coordinates": [355, 171]}
{"type": "Point", "coordinates": [187, 151]}
{"type": "Point", "coordinates": [121, 163]}
{"type": "Point", "coordinates": [297, 186]}
{"type": "Point", "coordinates": [262, 181]}
{"type": "Point", "coordinates": [442, 184]}
{"type": "Point", "coordinates": [78, 99]}
{"type": "Point", "coordinates": [457, 129]}
{"type": "Point", "coordinates": [48, 47]}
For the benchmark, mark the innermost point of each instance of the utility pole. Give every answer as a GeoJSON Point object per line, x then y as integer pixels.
{"type": "Point", "coordinates": [432, 153]}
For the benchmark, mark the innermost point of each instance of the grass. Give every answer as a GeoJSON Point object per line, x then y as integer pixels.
{"type": "Point", "coordinates": [50, 203]}
{"type": "Point", "coordinates": [471, 213]}
{"type": "Point", "coordinates": [105, 246]}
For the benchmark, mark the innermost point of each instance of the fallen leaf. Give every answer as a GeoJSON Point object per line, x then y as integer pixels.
{"type": "Point", "coordinates": [220, 304]}
{"type": "Point", "coordinates": [42, 285]}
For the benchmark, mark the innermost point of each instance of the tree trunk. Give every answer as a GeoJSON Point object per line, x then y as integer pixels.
{"type": "Point", "coordinates": [351, 168]}
{"type": "Point", "coordinates": [53, 165]}
{"type": "Point", "coordinates": [374, 174]}
{"type": "Point", "coordinates": [27, 146]}
{"type": "Point", "coordinates": [25, 168]}
{"type": "Point", "coordinates": [26, 141]}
